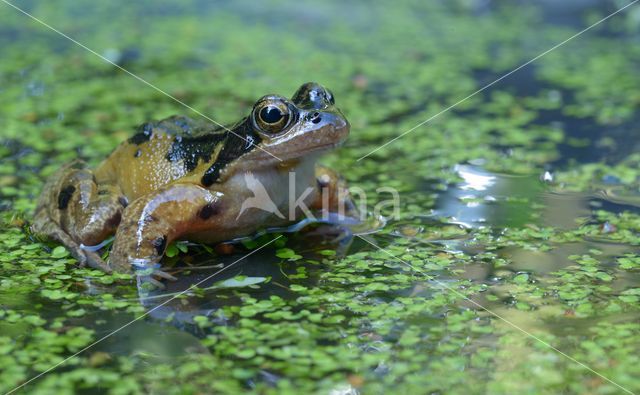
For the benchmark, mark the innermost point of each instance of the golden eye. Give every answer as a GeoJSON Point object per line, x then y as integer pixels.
{"type": "Point", "coordinates": [272, 116]}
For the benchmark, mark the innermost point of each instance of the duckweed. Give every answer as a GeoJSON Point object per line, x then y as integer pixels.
{"type": "Point", "coordinates": [555, 257]}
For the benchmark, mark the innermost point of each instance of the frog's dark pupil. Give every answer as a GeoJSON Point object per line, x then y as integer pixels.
{"type": "Point", "coordinates": [271, 114]}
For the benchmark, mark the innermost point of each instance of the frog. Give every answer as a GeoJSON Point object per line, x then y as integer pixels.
{"type": "Point", "coordinates": [186, 179]}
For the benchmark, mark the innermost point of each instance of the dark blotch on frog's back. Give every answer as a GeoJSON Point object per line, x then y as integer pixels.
{"type": "Point", "coordinates": [197, 141]}
{"type": "Point", "coordinates": [175, 125]}
{"type": "Point", "coordinates": [65, 196]}
{"type": "Point", "coordinates": [145, 131]}
{"type": "Point", "coordinates": [243, 140]}
{"type": "Point", "coordinates": [193, 141]}
{"type": "Point", "coordinates": [191, 149]}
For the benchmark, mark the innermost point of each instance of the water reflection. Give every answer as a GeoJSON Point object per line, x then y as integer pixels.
{"type": "Point", "coordinates": [497, 202]}
{"type": "Point", "coordinates": [488, 199]}
{"type": "Point", "coordinates": [474, 178]}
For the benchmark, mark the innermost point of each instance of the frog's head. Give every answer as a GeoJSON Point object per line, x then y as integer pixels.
{"type": "Point", "coordinates": [291, 129]}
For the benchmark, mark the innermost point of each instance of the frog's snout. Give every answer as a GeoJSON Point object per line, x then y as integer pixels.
{"type": "Point", "coordinates": [333, 125]}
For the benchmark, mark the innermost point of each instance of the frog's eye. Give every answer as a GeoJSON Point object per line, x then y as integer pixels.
{"type": "Point", "coordinates": [332, 101]}
{"type": "Point", "coordinates": [272, 117]}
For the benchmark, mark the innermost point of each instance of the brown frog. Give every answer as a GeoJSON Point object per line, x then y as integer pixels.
{"type": "Point", "coordinates": [185, 179]}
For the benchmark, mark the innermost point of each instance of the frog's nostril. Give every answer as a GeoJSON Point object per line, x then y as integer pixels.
{"type": "Point", "coordinates": [316, 117]}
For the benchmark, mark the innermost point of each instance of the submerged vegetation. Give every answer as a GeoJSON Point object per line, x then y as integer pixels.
{"type": "Point", "coordinates": [519, 226]}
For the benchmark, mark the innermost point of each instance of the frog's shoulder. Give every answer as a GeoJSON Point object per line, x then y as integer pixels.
{"type": "Point", "coordinates": [176, 125]}
{"type": "Point", "coordinates": [189, 143]}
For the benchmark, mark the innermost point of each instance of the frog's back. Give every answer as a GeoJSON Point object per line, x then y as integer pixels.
{"type": "Point", "coordinates": [160, 153]}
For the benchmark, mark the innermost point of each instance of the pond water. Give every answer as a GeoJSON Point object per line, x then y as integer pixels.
{"type": "Point", "coordinates": [513, 263]}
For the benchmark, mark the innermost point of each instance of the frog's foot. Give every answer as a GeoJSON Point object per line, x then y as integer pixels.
{"type": "Point", "coordinates": [146, 272]}
{"type": "Point", "coordinates": [165, 275]}
{"type": "Point", "coordinates": [84, 257]}
{"type": "Point", "coordinates": [153, 277]}
{"type": "Point", "coordinates": [144, 282]}
{"type": "Point", "coordinates": [95, 261]}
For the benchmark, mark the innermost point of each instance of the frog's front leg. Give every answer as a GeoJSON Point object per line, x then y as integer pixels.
{"type": "Point", "coordinates": [153, 221]}
{"type": "Point", "coordinates": [77, 212]}
{"type": "Point", "coordinates": [333, 197]}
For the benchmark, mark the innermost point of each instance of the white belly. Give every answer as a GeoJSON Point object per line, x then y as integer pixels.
{"type": "Point", "coordinates": [261, 198]}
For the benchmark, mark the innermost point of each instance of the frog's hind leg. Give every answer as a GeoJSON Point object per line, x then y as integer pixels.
{"type": "Point", "coordinates": [150, 223]}
{"type": "Point", "coordinates": [75, 211]}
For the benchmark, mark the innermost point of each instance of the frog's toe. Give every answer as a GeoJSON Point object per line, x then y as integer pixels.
{"type": "Point", "coordinates": [145, 281]}
{"type": "Point", "coordinates": [88, 258]}
{"type": "Point", "coordinates": [84, 257]}
{"type": "Point", "coordinates": [148, 270]}
{"type": "Point", "coordinates": [165, 275]}
{"type": "Point", "coordinates": [94, 260]}
{"type": "Point", "coordinates": [155, 278]}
